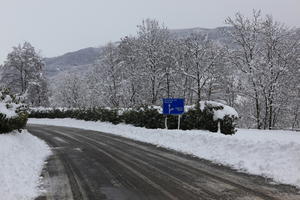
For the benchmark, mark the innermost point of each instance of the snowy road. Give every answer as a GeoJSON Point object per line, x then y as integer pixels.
{"type": "Point", "coordinates": [93, 165]}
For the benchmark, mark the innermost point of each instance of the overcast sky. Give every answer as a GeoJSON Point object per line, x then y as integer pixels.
{"type": "Point", "coordinates": [58, 26]}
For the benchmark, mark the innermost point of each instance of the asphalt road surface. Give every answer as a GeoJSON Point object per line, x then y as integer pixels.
{"type": "Point", "coordinates": [94, 165]}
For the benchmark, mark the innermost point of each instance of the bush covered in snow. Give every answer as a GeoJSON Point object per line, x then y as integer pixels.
{"type": "Point", "coordinates": [205, 117]}
{"type": "Point", "coordinates": [215, 111]}
{"type": "Point", "coordinates": [13, 115]}
{"type": "Point", "coordinates": [195, 118]}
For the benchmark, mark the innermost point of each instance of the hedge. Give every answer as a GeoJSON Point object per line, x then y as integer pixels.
{"type": "Point", "coordinates": [147, 117]}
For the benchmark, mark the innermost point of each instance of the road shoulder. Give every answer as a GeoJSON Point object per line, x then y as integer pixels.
{"type": "Point", "coordinates": [55, 181]}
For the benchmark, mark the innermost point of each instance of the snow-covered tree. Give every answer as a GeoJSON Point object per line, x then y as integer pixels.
{"type": "Point", "coordinates": [266, 53]}
{"type": "Point", "coordinates": [202, 60]}
{"type": "Point", "coordinates": [94, 81]}
{"type": "Point", "coordinates": [133, 84]}
{"type": "Point", "coordinates": [71, 92]}
{"type": "Point", "coordinates": [111, 74]}
{"type": "Point", "coordinates": [152, 39]}
{"type": "Point", "coordinates": [23, 74]}
{"type": "Point", "coordinates": [246, 56]}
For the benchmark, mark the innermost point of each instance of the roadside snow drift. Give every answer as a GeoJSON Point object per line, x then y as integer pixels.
{"type": "Point", "coordinates": [272, 154]}
{"type": "Point", "coordinates": [21, 161]}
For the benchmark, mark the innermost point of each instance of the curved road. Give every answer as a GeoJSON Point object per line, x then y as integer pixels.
{"type": "Point", "coordinates": [94, 165]}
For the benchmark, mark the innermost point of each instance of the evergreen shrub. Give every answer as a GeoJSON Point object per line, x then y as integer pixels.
{"type": "Point", "coordinates": [144, 116]}
{"type": "Point", "coordinates": [14, 104]}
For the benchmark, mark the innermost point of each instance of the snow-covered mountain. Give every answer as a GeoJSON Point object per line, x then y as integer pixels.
{"type": "Point", "coordinates": [79, 60]}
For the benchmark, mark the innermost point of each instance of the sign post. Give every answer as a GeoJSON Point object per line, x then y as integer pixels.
{"type": "Point", "coordinates": [179, 116]}
{"type": "Point", "coordinates": [172, 106]}
{"type": "Point", "coordinates": [166, 122]}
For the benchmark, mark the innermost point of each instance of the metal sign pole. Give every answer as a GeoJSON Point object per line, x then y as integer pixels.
{"type": "Point", "coordinates": [179, 116]}
{"type": "Point", "coordinates": [166, 122]}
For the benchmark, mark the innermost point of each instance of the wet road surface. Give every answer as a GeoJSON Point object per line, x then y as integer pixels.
{"type": "Point", "coordinates": [94, 165]}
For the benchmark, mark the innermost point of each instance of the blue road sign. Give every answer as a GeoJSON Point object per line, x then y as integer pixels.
{"type": "Point", "coordinates": [173, 106]}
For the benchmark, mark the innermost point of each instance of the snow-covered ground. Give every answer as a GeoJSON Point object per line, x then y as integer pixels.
{"type": "Point", "coordinates": [22, 157]}
{"type": "Point", "coordinates": [273, 154]}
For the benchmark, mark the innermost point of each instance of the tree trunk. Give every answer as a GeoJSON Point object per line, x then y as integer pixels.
{"type": "Point", "coordinates": [22, 81]}
{"type": "Point", "coordinates": [257, 107]}
{"type": "Point", "coordinates": [198, 91]}
{"type": "Point", "coordinates": [266, 113]}
{"type": "Point", "coordinates": [168, 86]}
{"type": "Point", "coordinates": [270, 114]}
{"type": "Point", "coordinates": [153, 101]}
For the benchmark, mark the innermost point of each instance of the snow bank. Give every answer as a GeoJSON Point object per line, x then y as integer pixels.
{"type": "Point", "coordinates": [21, 161]}
{"type": "Point", "coordinates": [273, 154]}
